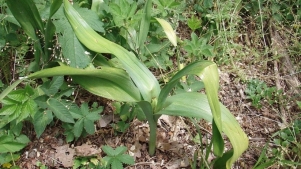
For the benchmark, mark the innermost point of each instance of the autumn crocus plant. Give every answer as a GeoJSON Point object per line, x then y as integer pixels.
{"type": "Point", "coordinates": [135, 83]}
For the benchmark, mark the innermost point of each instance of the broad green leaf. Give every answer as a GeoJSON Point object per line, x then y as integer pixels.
{"type": "Point", "coordinates": [170, 33]}
{"type": "Point", "coordinates": [116, 164]}
{"type": "Point", "coordinates": [89, 126]}
{"type": "Point", "coordinates": [126, 159]}
{"type": "Point", "coordinates": [207, 71]}
{"type": "Point", "coordinates": [78, 127]}
{"type": "Point", "coordinates": [8, 144]}
{"type": "Point", "coordinates": [8, 110]}
{"type": "Point", "coordinates": [40, 120]}
{"type": "Point", "coordinates": [197, 105]}
{"type": "Point", "coordinates": [75, 111]}
{"type": "Point", "coordinates": [22, 139]}
{"type": "Point", "coordinates": [108, 82]}
{"type": "Point", "coordinates": [74, 52]}
{"type": "Point", "coordinates": [20, 106]}
{"type": "Point", "coordinates": [27, 15]}
{"type": "Point", "coordinates": [93, 116]}
{"type": "Point", "coordinates": [108, 150]}
{"type": "Point", "coordinates": [50, 88]}
{"type": "Point", "coordinates": [91, 18]}
{"type": "Point", "coordinates": [29, 108]}
{"type": "Point", "coordinates": [84, 108]}
{"type": "Point", "coordinates": [9, 89]}
{"type": "Point", "coordinates": [142, 77]}
{"type": "Point", "coordinates": [11, 147]}
{"type": "Point", "coordinates": [119, 150]}
{"type": "Point", "coordinates": [60, 110]}
{"type": "Point", "coordinates": [6, 158]}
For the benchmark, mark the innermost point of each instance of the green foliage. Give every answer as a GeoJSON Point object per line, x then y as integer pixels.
{"type": "Point", "coordinates": [85, 119]}
{"type": "Point", "coordinates": [121, 75]}
{"type": "Point", "coordinates": [257, 90]}
{"type": "Point", "coordinates": [10, 143]}
{"type": "Point", "coordinates": [86, 163]}
{"type": "Point", "coordinates": [116, 157]}
{"type": "Point", "coordinates": [41, 165]}
{"type": "Point", "coordinates": [194, 23]}
{"type": "Point", "coordinates": [287, 151]}
{"type": "Point", "coordinates": [18, 105]}
{"type": "Point", "coordinates": [198, 47]}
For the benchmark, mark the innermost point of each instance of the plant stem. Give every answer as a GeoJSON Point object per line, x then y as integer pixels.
{"type": "Point", "coordinates": [152, 137]}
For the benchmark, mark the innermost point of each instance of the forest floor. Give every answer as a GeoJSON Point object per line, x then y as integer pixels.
{"type": "Point", "coordinates": [175, 139]}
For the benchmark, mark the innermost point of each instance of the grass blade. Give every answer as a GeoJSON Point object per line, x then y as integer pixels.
{"type": "Point", "coordinates": [145, 22]}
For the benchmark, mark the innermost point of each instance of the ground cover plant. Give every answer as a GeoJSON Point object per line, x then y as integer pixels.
{"type": "Point", "coordinates": [89, 73]}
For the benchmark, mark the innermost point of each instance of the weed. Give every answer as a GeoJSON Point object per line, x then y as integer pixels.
{"type": "Point", "coordinates": [116, 157]}
{"type": "Point", "coordinates": [257, 91]}
{"type": "Point", "coordinates": [287, 150]}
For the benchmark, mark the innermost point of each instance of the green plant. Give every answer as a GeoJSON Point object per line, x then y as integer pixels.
{"type": "Point", "coordinates": [131, 81]}
{"type": "Point", "coordinates": [11, 141]}
{"type": "Point", "coordinates": [87, 162]}
{"type": "Point", "coordinates": [194, 23]}
{"type": "Point", "coordinates": [41, 165]}
{"type": "Point", "coordinates": [85, 119]}
{"type": "Point", "coordinates": [287, 150]}
{"type": "Point", "coordinates": [257, 90]}
{"type": "Point", "coordinates": [116, 157]}
{"type": "Point", "coordinates": [198, 47]}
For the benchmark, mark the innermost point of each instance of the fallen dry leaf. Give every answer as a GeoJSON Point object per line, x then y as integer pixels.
{"type": "Point", "coordinates": [87, 150]}
{"type": "Point", "coordinates": [65, 155]}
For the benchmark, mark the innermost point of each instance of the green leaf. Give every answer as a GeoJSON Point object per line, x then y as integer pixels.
{"type": "Point", "coordinates": [126, 159]}
{"type": "Point", "coordinates": [74, 52]}
{"type": "Point", "coordinates": [116, 164]}
{"type": "Point", "coordinates": [78, 127]}
{"type": "Point", "coordinates": [93, 116]}
{"type": "Point", "coordinates": [142, 77]}
{"type": "Point", "coordinates": [29, 108]}
{"type": "Point", "coordinates": [197, 105]}
{"type": "Point", "coordinates": [40, 120]}
{"type": "Point", "coordinates": [120, 150]}
{"type": "Point", "coordinates": [145, 22]}
{"type": "Point", "coordinates": [84, 108]}
{"type": "Point", "coordinates": [52, 87]}
{"type": "Point", "coordinates": [108, 150]}
{"type": "Point", "coordinates": [22, 139]}
{"type": "Point", "coordinates": [8, 110]}
{"type": "Point", "coordinates": [6, 158]}
{"type": "Point", "coordinates": [55, 5]}
{"type": "Point", "coordinates": [60, 110]}
{"type": "Point", "coordinates": [7, 144]}
{"type": "Point", "coordinates": [92, 19]}
{"type": "Point", "coordinates": [89, 126]}
{"type": "Point", "coordinates": [207, 71]}
{"type": "Point", "coordinates": [108, 82]}
{"type": "Point", "coordinates": [27, 15]}
{"type": "Point", "coordinates": [194, 23]}
{"type": "Point", "coordinates": [170, 33]}
{"type": "Point", "coordinates": [20, 106]}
